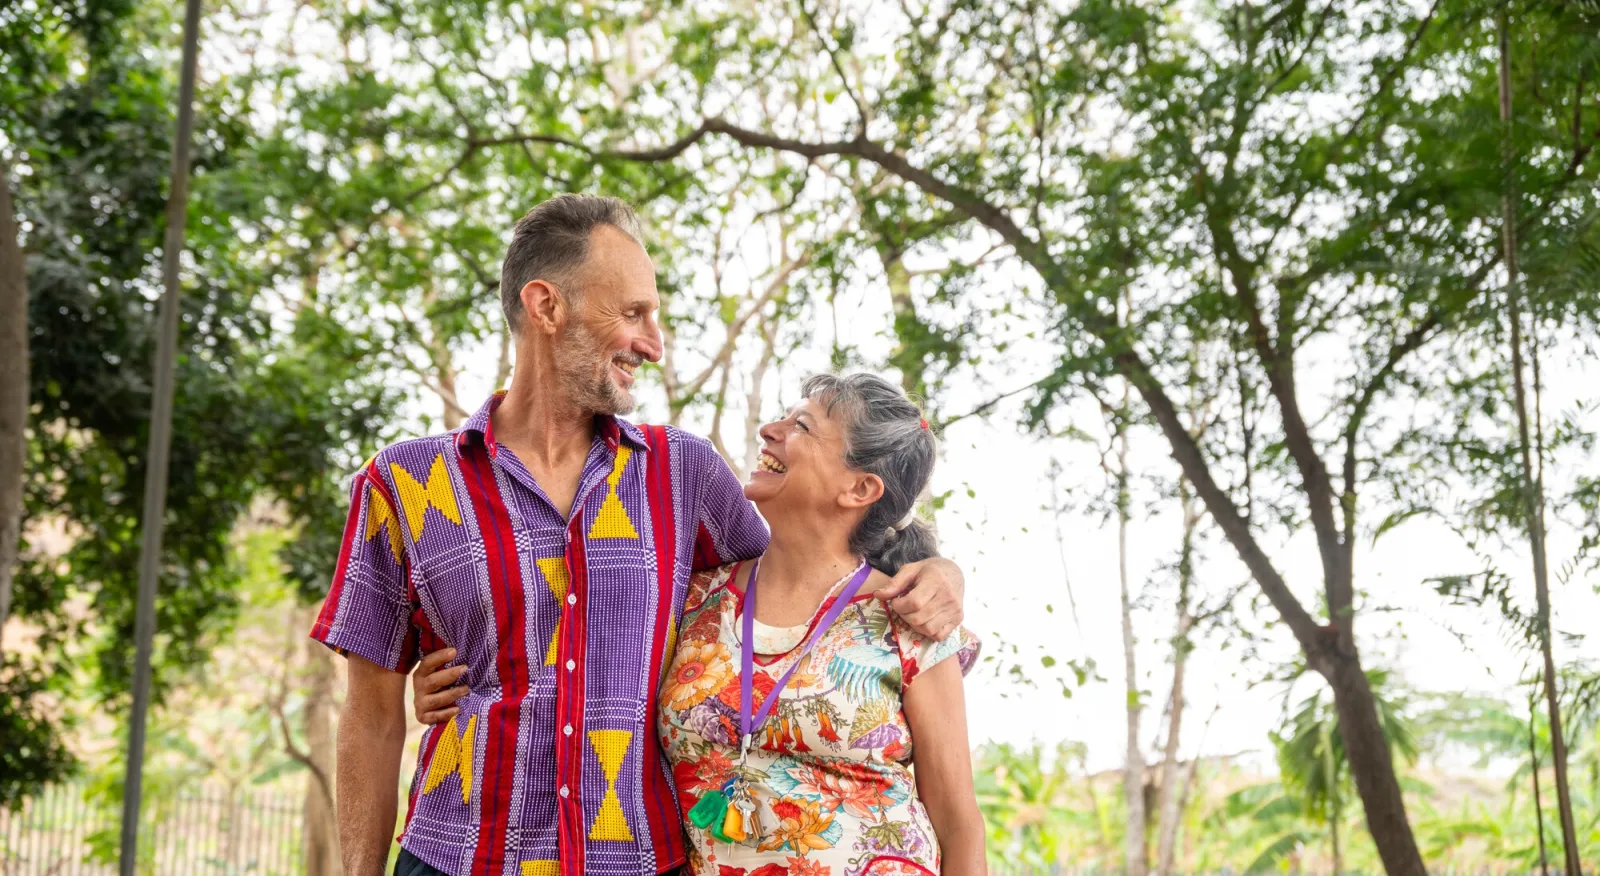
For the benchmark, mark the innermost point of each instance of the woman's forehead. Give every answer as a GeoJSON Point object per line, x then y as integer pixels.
{"type": "Point", "coordinates": [818, 410]}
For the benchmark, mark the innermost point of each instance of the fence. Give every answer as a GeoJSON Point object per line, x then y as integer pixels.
{"type": "Point", "coordinates": [191, 831]}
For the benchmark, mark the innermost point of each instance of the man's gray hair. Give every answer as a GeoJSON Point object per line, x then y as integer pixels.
{"type": "Point", "coordinates": [552, 242]}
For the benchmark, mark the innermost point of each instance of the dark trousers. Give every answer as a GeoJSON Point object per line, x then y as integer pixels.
{"type": "Point", "coordinates": [411, 865]}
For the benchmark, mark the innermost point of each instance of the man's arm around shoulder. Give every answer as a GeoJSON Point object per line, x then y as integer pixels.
{"type": "Point", "coordinates": [372, 734]}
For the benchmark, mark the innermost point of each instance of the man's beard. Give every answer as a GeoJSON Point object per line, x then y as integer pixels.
{"type": "Point", "coordinates": [584, 369]}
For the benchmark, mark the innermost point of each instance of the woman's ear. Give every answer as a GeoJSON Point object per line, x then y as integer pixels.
{"type": "Point", "coordinates": [865, 489]}
{"type": "Point", "coordinates": [543, 306]}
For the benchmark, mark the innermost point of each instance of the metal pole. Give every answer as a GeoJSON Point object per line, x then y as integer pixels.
{"type": "Point", "coordinates": [155, 482]}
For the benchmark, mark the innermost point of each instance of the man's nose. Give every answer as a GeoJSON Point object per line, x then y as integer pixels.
{"type": "Point", "coordinates": [650, 345]}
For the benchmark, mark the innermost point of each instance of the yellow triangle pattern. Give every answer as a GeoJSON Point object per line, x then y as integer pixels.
{"type": "Point", "coordinates": [381, 516]}
{"type": "Point", "coordinates": [611, 748]}
{"type": "Point", "coordinates": [415, 498]}
{"type": "Point", "coordinates": [555, 577]}
{"type": "Point", "coordinates": [453, 754]}
{"type": "Point", "coordinates": [612, 520]}
{"type": "Point", "coordinates": [541, 868]}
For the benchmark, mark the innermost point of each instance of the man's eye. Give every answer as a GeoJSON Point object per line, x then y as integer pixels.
{"type": "Point", "coordinates": [801, 426]}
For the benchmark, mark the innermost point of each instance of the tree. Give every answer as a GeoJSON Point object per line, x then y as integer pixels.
{"type": "Point", "coordinates": [1532, 487]}
{"type": "Point", "coordinates": [13, 391]}
{"type": "Point", "coordinates": [270, 405]}
{"type": "Point", "coordinates": [1189, 164]}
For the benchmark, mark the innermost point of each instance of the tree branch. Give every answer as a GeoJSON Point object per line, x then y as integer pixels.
{"type": "Point", "coordinates": [1118, 345]}
{"type": "Point", "coordinates": [779, 282]}
{"type": "Point", "coordinates": [833, 56]}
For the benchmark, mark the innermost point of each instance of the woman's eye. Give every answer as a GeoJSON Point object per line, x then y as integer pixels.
{"type": "Point", "coordinates": [801, 426]}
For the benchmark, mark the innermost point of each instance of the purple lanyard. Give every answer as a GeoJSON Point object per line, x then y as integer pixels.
{"type": "Point", "coordinates": [748, 723]}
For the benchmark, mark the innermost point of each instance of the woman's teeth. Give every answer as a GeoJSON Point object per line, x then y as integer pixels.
{"type": "Point", "coordinates": [771, 464]}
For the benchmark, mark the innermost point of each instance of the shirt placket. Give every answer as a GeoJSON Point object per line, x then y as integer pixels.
{"type": "Point", "coordinates": [570, 680]}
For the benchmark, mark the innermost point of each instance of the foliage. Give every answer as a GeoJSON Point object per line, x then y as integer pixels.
{"type": "Point", "coordinates": [269, 405]}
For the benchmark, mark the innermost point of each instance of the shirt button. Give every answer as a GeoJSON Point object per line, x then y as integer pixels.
{"type": "Point", "coordinates": [572, 599]}
{"type": "Point", "coordinates": [571, 665]}
{"type": "Point", "coordinates": [567, 730]}
{"type": "Point", "coordinates": [564, 791]}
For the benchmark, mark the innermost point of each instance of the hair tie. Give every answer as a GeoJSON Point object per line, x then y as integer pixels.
{"type": "Point", "coordinates": [904, 521]}
{"type": "Point", "coordinates": [924, 425]}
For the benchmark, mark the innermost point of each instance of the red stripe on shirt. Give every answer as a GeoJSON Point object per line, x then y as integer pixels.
{"type": "Point", "coordinates": [330, 606]}
{"type": "Point", "coordinates": [706, 555]}
{"type": "Point", "coordinates": [569, 701]}
{"type": "Point", "coordinates": [501, 748]}
{"type": "Point", "coordinates": [660, 802]}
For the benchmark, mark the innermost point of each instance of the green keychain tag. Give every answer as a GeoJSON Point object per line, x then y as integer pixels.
{"type": "Point", "coordinates": [708, 813]}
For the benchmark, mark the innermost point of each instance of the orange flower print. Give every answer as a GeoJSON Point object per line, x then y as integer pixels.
{"type": "Point", "coordinates": [854, 787]}
{"type": "Point", "coordinates": [803, 867]}
{"type": "Point", "coordinates": [698, 671]}
{"type": "Point", "coordinates": [826, 730]}
{"type": "Point", "coordinates": [761, 685]}
{"type": "Point", "coordinates": [800, 827]}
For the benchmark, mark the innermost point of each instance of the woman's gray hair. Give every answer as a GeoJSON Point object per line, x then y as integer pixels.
{"type": "Point", "coordinates": [885, 435]}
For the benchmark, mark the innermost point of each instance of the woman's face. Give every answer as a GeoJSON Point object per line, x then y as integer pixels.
{"type": "Point", "coordinates": [801, 467]}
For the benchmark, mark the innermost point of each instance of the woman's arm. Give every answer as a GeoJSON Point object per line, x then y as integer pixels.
{"type": "Point", "coordinates": [936, 709]}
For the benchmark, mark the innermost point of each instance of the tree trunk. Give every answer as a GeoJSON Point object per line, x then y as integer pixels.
{"type": "Point", "coordinates": [1134, 846]}
{"type": "Point", "coordinates": [1532, 489]}
{"type": "Point", "coordinates": [1538, 795]}
{"type": "Point", "coordinates": [904, 310]}
{"type": "Point", "coordinates": [1170, 805]}
{"type": "Point", "coordinates": [13, 391]}
{"type": "Point", "coordinates": [319, 836]}
{"type": "Point", "coordinates": [1371, 766]}
{"type": "Point", "coordinates": [502, 368]}
{"type": "Point", "coordinates": [752, 403]}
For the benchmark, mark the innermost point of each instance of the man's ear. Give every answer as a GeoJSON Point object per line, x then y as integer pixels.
{"type": "Point", "coordinates": [543, 306]}
{"type": "Point", "coordinates": [865, 489]}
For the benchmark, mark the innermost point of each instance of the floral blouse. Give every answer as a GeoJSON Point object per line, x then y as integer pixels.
{"type": "Point", "coordinates": [832, 765]}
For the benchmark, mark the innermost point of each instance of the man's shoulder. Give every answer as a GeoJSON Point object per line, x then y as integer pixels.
{"type": "Point", "coordinates": [416, 456]}
{"type": "Point", "coordinates": [680, 443]}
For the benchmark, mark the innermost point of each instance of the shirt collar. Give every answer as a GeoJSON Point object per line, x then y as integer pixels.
{"type": "Point", "coordinates": [480, 428]}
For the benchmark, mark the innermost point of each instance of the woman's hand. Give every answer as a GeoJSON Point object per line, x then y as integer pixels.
{"type": "Point", "coordinates": [927, 595]}
{"type": "Point", "coordinates": [936, 710]}
{"type": "Point", "coordinates": [434, 695]}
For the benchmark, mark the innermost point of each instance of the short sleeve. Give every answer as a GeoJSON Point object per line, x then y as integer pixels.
{"type": "Point", "coordinates": [367, 610]}
{"type": "Point", "coordinates": [919, 653]}
{"type": "Point", "coordinates": [728, 528]}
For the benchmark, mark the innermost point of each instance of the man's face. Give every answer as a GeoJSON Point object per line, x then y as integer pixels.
{"type": "Point", "coordinates": [613, 330]}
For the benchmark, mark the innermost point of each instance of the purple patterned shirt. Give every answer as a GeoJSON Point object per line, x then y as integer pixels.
{"type": "Point", "coordinates": [552, 766]}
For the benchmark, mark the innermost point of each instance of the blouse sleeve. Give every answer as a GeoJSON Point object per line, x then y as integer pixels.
{"type": "Point", "coordinates": [919, 653]}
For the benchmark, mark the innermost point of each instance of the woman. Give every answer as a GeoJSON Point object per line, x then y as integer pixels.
{"type": "Point", "coordinates": [794, 755]}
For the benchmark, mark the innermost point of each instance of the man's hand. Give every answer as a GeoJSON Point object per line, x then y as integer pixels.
{"type": "Point", "coordinates": [435, 690]}
{"type": "Point", "coordinates": [928, 595]}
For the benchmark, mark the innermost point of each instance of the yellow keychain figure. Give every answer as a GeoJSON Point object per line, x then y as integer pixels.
{"type": "Point", "coordinates": [733, 825]}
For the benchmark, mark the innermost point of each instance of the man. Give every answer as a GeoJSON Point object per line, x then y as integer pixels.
{"type": "Point", "coordinates": [543, 550]}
